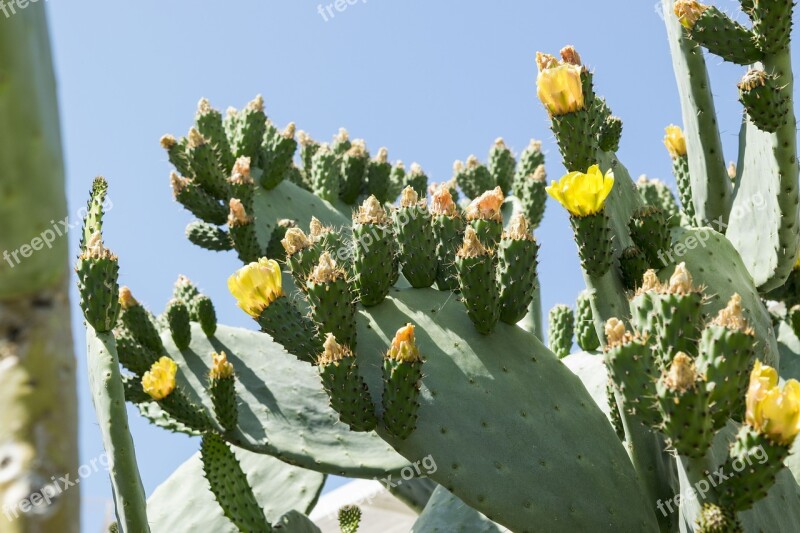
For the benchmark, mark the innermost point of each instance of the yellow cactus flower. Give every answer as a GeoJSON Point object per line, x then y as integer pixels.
{"type": "Point", "coordinates": [771, 411]}
{"type": "Point", "coordinates": [221, 368]}
{"type": "Point", "coordinates": [404, 346]}
{"type": "Point", "coordinates": [675, 141]}
{"type": "Point", "coordinates": [256, 285]}
{"type": "Point", "coordinates": [688, 11]}
{"type": "Point", "coordinates": [159, 381]}
{"type": "Point", "coordinates": [560, 89]}
{"type": "Point", "coordinates": [583, 194]}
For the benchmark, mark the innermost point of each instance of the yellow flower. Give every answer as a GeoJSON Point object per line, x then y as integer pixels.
{"type": "Point", "coordinates": [688, 11]}
{"type": "Point", "coordinates": [771, 411]}
{"type": "Point", "coordinates": [221, 368]}
{"type": "Point", "coordinates": [560, 89]}
{"type": "Point", "coordinates": [404, 346]}
{"type": "Point", "coordinates": [675, 141]}
{"type": "Point", "coordinates": [159, 381]}
{"type": "Point", "coordinates": [583, 194]}
{"type": "Point", "coordinates": [256, 285]}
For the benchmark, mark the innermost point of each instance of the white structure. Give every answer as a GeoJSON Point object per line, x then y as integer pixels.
{"type": "Point", "coordinates": [381, 512]}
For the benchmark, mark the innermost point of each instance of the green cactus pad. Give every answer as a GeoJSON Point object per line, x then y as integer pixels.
{"type": "Point", "coordinates": [610, 134]}
{"type": "Point", "coordinates": [415, 237]}
{"type": "Point", "coordinates": [767, 200]}
{"type": "Point", "coordinates": [701, 247]}
{"type": "Point", "coordinates": [533, 196]}
{"type": "Point", "coordinates": [208, 122]}
{"type": "Point", "coordinates": [479, 290]}
{"type": "Point", "coordinates": [198, 202]}
{"type": "Point", "coordinates": [184, 502]}
{"type": "Point", "coordinates": [208, 236]}
{"type": "Point", "coordinates": [516, 276]}
{"type": "Point", "coordinates": [375, 262]}
{"type": "Point", "coordinates": [448, 232]}
{"type": "Point", "coordinates": [245, 241]}
{"type": "Point", "coordinates": [108, 397]}
{"type": "Point", "coordinates": [475, 179]}
{"type": "Point", "coordinates": [575, 134]}
{"type": "Point", "coordinates": [417, 180]}
{"type": "Point", "coordinates": [283, 409]}
{"type": "Point", "coordinates": [714, 519]}
{"type": "Point", "coordinates": [445, 513]}
{"type": "Point", "coordinates": [176, 153]}
{"type": "Point", "coordinates": [585, 332]}
{"type": "Point", "coordinates": [288, 327]}
{"type": "Point", "coordinates": [326, 174]}
{"type": "Point", "coordinates": [182, 409]}
{"type": "Point", "coordinates": [593, 236]}
{"type": "Point", "coordinates": [205, 167]}
{"type": "Point", "coordinates": [711, 185]}
{"type": "Point", "coordinates": [99, 290]}
{"type": "Point", "coordinates": [591, 370]}
{"type": "Point", "coordinates": [397, 180]}
{"type": "Point", "coordinates": [686, 419]}
{"type": "Point", "coordinates": [400, 396]}
{"type": "Point", "coordinates": [202, 311]}
{"type": "Point", "coordinates": [132, 354]}
{"type": "Point", "coordinates": [530, 159]}
{"type": "Point", "coordinates": [726, 358]}
{"type": "Point", "coordinates": [378, 179]}
{"type": "Point", "coordinates": [249, 129]}
{"type": "Point", "coordinates": [178, 318]}
{"type": "Point", "coordinates": [560, 330]}
{"type": "Point", "coordinates": [138, 321]}
{"type": "Point", "coordinates": [772, 24]}
{"type": "Point", "coordinates": [634, 371]}
{"type": "Point", "coordinates": [650, 234]}
{"type": "Point", "coordinates": [489, 231]}
{"type": "Point", "coordinates": [295, 522]}
{"type": "Point", "coordinates": [333, 309]}
{"type": "Point", "coordinates": [223, 396]}
{"type": "Point", "coordinates": [726, 38]}
{"type": "Point", "coordinates": [349, 518]}
{"type": "Point", "coordinates": [276, 156]}
{"type": "Point", "coordinates": [751, 481]}
{"type": "Point", "coordinates": [680, 168]}
{"type": "Point", "coordinates": [415, 492]}
{"type": "Point", "coordinates": [230, 486]}
{"type": "Point", "coordinates": [632, 266]}
{"type": "Point", "coordinates": [766, 103]}
{"type": "Point", "coordinates": [353, 174]}
{"type": "Point", "coordinates": [502, 166]}
{"type": "Point", "coordinates": [779, 511]}
{"type": "Point", "coordinates": [464, 367]}
{"type": "Point", "coordinates": [658, 194]}
{"type": "Point", "coordinates": [348, 393]}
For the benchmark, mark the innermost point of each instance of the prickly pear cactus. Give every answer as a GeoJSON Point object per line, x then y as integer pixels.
{"type": "Point", "coordinates": [392, 339]}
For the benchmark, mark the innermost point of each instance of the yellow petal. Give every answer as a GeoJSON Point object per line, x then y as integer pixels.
{"type": "Point", "coordinates": [159, 381]}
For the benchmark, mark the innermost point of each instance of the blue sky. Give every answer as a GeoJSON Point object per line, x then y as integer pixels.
{"type": "Point", "coordinates": [432, 81]}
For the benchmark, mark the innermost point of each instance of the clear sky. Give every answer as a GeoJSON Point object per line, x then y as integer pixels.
{"type": "Point", "coordinates": [432, 81]}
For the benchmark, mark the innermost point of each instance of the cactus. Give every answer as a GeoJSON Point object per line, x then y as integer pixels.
{"type": "Point", "coordinates": [560, 331]}
{"type": "Point", "coordinates": [679, 373]}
